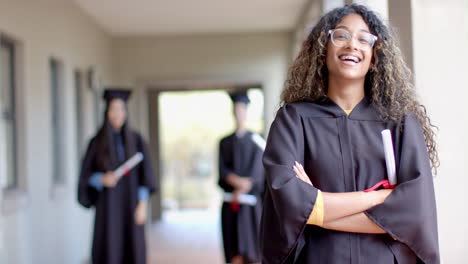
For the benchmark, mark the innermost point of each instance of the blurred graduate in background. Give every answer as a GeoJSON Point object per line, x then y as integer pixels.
{"type": "Point", "coordinates": [241, 176]}
{"type": "Point", "coordinates": [121, 203]}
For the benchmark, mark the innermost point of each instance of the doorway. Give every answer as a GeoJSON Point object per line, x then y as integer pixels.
{"type": "Point", "coordinates": [190, 124]}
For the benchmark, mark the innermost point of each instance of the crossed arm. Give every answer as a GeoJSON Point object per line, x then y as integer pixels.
{"type": "Point", "coordinates": [345, 211]}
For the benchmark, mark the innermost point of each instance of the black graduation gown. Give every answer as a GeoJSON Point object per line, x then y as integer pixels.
{"type": "Point", "coordinates": [116, 239]}
{"type": "Point", "coordinates": [345, 154]}
{"type": "Point", "coordinates": [240, 155]}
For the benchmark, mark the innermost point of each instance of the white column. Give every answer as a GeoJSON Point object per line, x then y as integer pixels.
{"type": "Point", "coordinates": [3, 174]}
{"type": "Point", "coordinates": [441, 73]}
{"type": "Point", "coordinates": [400, 18]}
{"type": "Point", "coordinates": [328, 5]}
{"type": "Point", "coordinates": [378, 6]}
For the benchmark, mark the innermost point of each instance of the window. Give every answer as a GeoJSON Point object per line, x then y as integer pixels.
{"type": "Point", "coordinates": [97, 99]}
{"type": "Point", "coordinates": [8, 166]}
{"type": "Point", "coordinates": [93, 86]}
{"type": "Point", "coordinates": [56, 85]}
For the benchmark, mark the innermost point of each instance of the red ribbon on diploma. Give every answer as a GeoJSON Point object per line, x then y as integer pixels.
{"type": "Point", "coordinates": [383, 183]}
{"type": "Point", "coordinates": [235, 206]}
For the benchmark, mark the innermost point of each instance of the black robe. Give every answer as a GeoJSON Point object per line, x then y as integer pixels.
{"type": "Point", "coordinates": [240, 155]}
{"type": "Point", "coordinates": [116, 239]}
{"type": "Point", "coordinates": [345, 154]}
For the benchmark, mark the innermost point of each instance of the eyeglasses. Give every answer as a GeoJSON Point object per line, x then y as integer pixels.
{"type": "Point", "coordinates": [341, 37]}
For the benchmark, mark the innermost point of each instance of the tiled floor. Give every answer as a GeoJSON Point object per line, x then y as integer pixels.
{"type": "Point", "coordinates": [186, 236]}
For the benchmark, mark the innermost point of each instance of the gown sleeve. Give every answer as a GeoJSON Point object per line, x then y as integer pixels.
{"type": "Point", "coordinates": [409, 213]}
{"type": "Point", "coordinates": [96, 181]}
{"type": "Point", "coordinates": [146, 173]}
{"type": "Point", "coordinates": [143, 193]}
{"type": "Point", "coordinates": [223, 166]}
{"type": "Point", "coordinates": [257, 172]}
{"type": "Point", "coordinates": [87, 194]}
{"type": "Point", "coordinates": [288, 200]}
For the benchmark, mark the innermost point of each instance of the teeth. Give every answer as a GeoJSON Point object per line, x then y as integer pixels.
{"type": "Point", "coordinates": [347, 57]}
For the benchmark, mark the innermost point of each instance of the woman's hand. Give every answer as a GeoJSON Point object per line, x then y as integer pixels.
{"type": "Point", "coordinates": [242, 184]}
{"type": "Point", "coordinates": [109, 179]}
{"type": "Point", "coordinates": [376, 197]}
{"type": "Point", "coordinates": [140, 212]}
{"type": "Point", "coordinates": [300, 173]}
{"type": "Point", "coordinates": [245, 185]}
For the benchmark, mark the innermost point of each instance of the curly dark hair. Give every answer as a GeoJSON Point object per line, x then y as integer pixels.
{"type": "Point", "coordinates": [389, 85]}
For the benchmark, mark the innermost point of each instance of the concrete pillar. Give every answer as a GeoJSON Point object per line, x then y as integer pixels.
{"type": "Point", "coordinates": [328, 5]}
{"type": "Point", "coordinates": [3, 170]}
{"type": "Point", "coordinates": [154, 147]}
{"type": "Point", "coordinates": [400, 19]}
{"type": "Point", "coordinates": [379, 6]}
{"type": "Point", "coordinates": [440, 40]}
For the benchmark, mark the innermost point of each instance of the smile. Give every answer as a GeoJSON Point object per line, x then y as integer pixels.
{"type": "Point", "coordinates": [350, 59]}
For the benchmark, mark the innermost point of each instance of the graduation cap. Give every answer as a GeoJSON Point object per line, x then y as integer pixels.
{"type": "Point", "coordinates": [239, 97]}
{"type": "Point", "coordinates": [110, 94]}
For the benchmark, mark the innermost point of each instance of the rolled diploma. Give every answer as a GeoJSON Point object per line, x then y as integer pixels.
{"type": "Point", "coordinates": [259, 141]}
{"type": "Point", "coordinates": [247, 199]}
{"type": "Point", "coordinates": [389, 156]}
{"type": "Point", "coordinates": [128, 165]}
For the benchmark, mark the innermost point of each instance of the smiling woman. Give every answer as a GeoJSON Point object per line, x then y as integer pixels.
{"type": "Point", "coordinates": [348, 57]}
{"type": "Point", "coordinates": [324, 153]}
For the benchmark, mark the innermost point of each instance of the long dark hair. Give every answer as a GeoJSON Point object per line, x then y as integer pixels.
{"type": "Point", "coordinates": [107, 158]}
{"type": "Point", "coordinates": [388, 85]}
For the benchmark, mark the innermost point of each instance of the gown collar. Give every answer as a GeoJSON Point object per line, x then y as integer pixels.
{"type": "Point", "coordinates": [364, 110]}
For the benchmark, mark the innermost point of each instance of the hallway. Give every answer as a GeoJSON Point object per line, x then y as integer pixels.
{"type": "Point", "coordinates": [186, 236]}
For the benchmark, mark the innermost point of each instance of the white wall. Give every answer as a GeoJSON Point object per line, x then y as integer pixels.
{"type": "Point", "coordinates": [43, 224]}
{"type": "Point", "coordinates": [440, 53]}
{"type": "Point", "coordinates": [249, 57]}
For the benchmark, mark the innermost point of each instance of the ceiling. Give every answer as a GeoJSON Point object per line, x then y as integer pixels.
{"type": "Point", "coordinates": [156, 17]}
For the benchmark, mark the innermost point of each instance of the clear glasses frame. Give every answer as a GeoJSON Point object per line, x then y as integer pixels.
{"type": "Point", "coordinates": [362, 43]}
